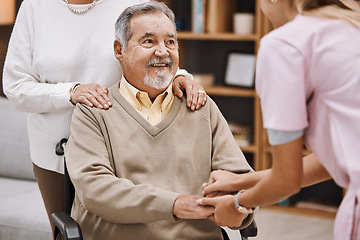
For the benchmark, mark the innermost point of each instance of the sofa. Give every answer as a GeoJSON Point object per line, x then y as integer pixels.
{"type": "Point", "coordinates": [22, 211]}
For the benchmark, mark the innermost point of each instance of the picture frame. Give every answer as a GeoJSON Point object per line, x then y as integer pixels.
{"type": "Point", "coordinates": [240, 70]}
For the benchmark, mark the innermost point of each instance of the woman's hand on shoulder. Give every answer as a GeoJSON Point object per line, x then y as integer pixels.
{"type": "Point", "coordinates": [91, 95]}
{"type": "Point", "coordinates": [196, 96]}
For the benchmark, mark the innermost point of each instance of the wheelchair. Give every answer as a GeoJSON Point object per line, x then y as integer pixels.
{"type": "Point", "coordinates": [70, 229]}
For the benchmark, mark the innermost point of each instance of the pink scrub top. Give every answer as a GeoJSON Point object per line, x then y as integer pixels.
{"type": "Point", "coordinates": [308, 77]}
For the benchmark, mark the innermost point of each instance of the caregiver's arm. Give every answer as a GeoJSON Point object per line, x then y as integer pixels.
{"type": "Point", "coordinates": [289, 172]}
{"type": "Point", "coordinates": [314, 171]}
{"type": "Point", "coordinates": [282, 180]}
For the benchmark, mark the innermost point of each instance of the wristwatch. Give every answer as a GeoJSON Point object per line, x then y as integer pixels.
{"type": "Point", "coordinates": [241, 209]}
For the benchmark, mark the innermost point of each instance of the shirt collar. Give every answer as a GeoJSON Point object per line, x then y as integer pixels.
{"type": "Point", "coordinates": [138, 98]}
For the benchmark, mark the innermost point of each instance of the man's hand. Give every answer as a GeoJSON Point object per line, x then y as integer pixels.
{"type": "Point", "coordinates": [196, 96]}
{"type": "Point", "coordinates": [225, 213]}
{"type": "Point", "coordinates": [92, 95]}
{"type": "Point", "coordinates": [186, 207]}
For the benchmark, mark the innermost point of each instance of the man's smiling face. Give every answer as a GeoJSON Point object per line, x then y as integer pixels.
{"type": "Point", "coordinates": [151, 56]}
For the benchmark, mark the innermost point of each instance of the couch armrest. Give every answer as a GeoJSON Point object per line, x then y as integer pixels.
{"type": "Point", "coordinates": [68, 227]}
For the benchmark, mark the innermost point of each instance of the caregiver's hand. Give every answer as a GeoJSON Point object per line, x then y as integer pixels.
{"type": "Point", "coordinates": [221, 181]}
{"type": "Point", "coordinates": [224, 181]}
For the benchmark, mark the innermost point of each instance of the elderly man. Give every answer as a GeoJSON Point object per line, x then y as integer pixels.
{"type": "Point", "coordinates": [138, 167]}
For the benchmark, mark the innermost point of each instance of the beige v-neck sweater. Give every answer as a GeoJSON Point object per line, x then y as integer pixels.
{"type": "Point", "coordinates": [128, 173]}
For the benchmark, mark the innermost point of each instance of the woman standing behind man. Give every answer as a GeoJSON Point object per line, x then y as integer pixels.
{"type": "Point", "coordinates": [62, 50]}
{"type": "Point", "coordinates": [308, 80]}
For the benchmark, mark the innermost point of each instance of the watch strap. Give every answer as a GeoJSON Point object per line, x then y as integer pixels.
{"type": "Point", "coordinates": [237, 205]}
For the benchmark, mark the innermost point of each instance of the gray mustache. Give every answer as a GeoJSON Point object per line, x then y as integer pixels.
{"type": "Point", "coordinates": [159, 60]}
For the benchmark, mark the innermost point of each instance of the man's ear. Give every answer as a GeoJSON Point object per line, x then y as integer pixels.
{"type": "Point", "coordinates": [118, 50]}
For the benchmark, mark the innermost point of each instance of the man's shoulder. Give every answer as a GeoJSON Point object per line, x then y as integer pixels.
{"type": "Point", "coordinates": [206, 110]}
{"type": "Point", "coordinates": [210, 104]}
{"type": "Point", "coordinates": [83, 109]}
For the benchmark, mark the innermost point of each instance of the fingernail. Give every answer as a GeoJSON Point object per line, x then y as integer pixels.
{"type": "Point", "coordinates": [199, 201]}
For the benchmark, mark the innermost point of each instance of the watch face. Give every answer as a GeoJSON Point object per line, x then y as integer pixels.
{"type": "Point", "coordinates": [243, 210]}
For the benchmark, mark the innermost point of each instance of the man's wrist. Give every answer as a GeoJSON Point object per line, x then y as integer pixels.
{"type": "Point", "coordinates": [176, 218]}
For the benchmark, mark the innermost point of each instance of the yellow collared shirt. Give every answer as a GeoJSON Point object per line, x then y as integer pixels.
{"type": "Point", "coordinates": [153, 112]}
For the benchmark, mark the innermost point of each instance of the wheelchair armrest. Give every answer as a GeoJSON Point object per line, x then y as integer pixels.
{"type": "Point", "coordinates": [68, 227]}
{"type": "Point", "coordinates": [249, 231]}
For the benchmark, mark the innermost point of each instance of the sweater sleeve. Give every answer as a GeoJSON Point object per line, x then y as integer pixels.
{"type": "Point", "coordinates": [226, 154]}
{"type": "Point", "coordinates": [21, 84]}
{"type": "Point", "coordinates": [98, 188]}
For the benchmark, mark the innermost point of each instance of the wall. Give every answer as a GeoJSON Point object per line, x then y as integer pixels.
{"type": "Point", "coordinates": [5, 32]}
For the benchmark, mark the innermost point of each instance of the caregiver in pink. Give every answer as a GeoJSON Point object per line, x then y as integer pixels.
{"type": "Point", "coordinates": [308, 80]}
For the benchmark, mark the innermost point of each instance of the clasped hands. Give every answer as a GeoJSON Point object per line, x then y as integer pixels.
{"type": "Point", "coordinates": [216, 204]}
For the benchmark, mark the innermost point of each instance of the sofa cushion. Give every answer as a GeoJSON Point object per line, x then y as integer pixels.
{"type": "Point", "coordinates": [15, 159]}
{"type": "Point", "coordinates": [22, 212]}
